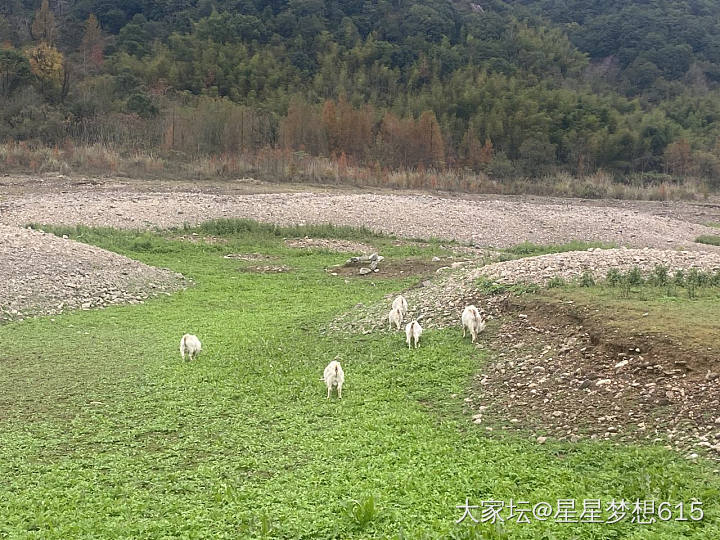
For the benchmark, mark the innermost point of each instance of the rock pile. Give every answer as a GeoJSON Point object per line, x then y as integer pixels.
{"type": "Point", "coordinates": [367, 263]}
{"type": "Point", "coordinates": [44, 274]}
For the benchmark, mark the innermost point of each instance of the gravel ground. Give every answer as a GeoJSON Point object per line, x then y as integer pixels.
{"type": "Point", "coordinates": [44, 274]}
{"type": "Point", "coordinates": [493, 222]}
{"type": "Point", "coordinates": [573, 264]}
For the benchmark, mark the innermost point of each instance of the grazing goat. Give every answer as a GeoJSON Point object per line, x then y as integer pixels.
{"type": "Point", "coordinates": [401, 304]}
{"type": "Point", "coordinates": [395, 317]}
{"type": "Point", "coordinates": [413, 331]}
{"type": "Point", "coordinates": [472, 320]}
{"type": "Point", "coordinates": [190, 344]}
{"type": "Point", "coordinates": [334, 377]}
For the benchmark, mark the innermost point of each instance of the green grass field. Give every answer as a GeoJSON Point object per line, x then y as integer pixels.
{"type": "Point", "coordinates": [105, 433]}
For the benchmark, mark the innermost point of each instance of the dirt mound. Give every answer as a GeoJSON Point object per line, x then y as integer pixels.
{"type": "Point", "coordinates": [573, 264]}
{"type": "Point", "coordinates": [568, 375]}
{"type": "Point", "coordinates": [44, 274]}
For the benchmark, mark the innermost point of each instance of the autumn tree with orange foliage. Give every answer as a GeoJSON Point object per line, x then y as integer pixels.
{"type": "Point", "coordinates": [348, 129]}
{"type": "Point", "coordinates": [428, 143]}
{"type": "Point", "coordinates": [476, 155]}
{"type": "Point", "coordinates": [303, 129]}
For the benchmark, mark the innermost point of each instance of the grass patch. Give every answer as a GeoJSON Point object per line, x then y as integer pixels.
{"type": "Point", "coordinates": [654, 309]}
{"type": "Point", "coordinates": [99, 439]}
{"type": "Point", "coordinates": [528, 249]}
{"type": "Point", "coordinates": [710, 239]}
{"type": "Point", "coordinates": [233, 226]}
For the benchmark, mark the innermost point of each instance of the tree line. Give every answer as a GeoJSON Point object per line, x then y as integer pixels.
{"type": "Point", "coordinates": [520, 88]}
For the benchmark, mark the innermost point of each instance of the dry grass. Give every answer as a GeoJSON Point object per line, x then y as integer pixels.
{"type": "Point", "coordinates": [287, 166]}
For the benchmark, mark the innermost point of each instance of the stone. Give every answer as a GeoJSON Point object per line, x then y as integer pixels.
{"type": "Point", "coordinates": [363, 271]}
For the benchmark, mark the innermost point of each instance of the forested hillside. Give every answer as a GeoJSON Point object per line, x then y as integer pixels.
{"type": "Point", "coordinates": [525, 88]}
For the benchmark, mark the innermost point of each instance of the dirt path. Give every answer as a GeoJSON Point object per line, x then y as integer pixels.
{"type": "Point", "coordinates": [489, 221]}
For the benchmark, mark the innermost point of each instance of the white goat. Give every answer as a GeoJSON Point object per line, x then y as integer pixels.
{"type": "Point", "coordinates": [401, 304]}
{"type": "Point", "coordinates": [395, 317]}
{"type": "Point", "coordinates": [413, 331]}
{"type": "Point", "coordinates": [190, 344]}
{"type": "Point", "coordinates": [472, 320]}
{"type": "Point", "coordinates": [334, 377]}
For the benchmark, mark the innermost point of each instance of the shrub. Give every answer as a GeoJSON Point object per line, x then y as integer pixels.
{"type": "Point", "coordinates": [660, 276]}
{"type": "Point", "coordinates": [679, 278]}
{"type": "Point", "coordinates": [613, 277]}
{"type": "Point", "coordinates": [634, 277]}
{"type": "Point", "coordinates": [587, 280]}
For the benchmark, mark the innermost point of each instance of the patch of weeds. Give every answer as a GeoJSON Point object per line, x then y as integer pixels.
{"type": "Point", "coordinates": [528, 249]}
{"type": "Point", "coordinates": [231, 226]}
{"type": "Point", "coordinates": [710, 239]}
{"type": "Point", "coordinates": [695, 279]}
{"type": "Point", "coordinates": [363, 511]}
{"type": "Point", "coordinates": [613, 277]}
{"type": "Point", "coordinates": [491, 288]}
{"type": "Point", "coordinates": [634, 276]}
{"type": "Point", "coordinates": [660, 276]}
{"type": "Point", "coordinates": [556, 282]}
{"type": "Point", "coordinates": [679, 278]}
{"type": "Point", "coordinates": [587, 279]}
{"type": "Point", "coordinates": [266, 526]}
{"type": "Point", "coordinates": [112, 239]}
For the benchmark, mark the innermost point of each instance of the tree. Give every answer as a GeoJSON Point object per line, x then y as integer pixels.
{"type": "Point", "coordinates": [46, 63]}
{"type": "Point", "coordinates": [302, 129]}
{"type": "Point", "coordinates": [678, 157]}
{"type": "Point", "coordinates": [429, 140]}
{"type": "Point", "coordinates": [14, 71]}
{"type": "Point", "coordinates": [43, 27]}
{"type": "Point", "coordinates": [92, 43]}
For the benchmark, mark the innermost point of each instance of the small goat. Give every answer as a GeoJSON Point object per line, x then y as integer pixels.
{"type": "Point", "coordinates": [413, 331]}
{"type": "Point", "coordinates": [401, 304]}
{"type": "Point", "coordinates": [190, 344]}
{"type": "Point", "coordinates": [395, 317]}
{"type": "Point", "coordinates": [472, 320]}
{"type": "Point", "coordinates": [334, 377]}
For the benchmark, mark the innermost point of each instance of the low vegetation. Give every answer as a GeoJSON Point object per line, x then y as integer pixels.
{"type": "Point", "coordinates": [529, 249]}
{"type": "Point", "coordinates": [687, 311]}
{"type": "Point", "coordinates": [105, 432]}
{"type": "Point", "coordinates": [711, 239]}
